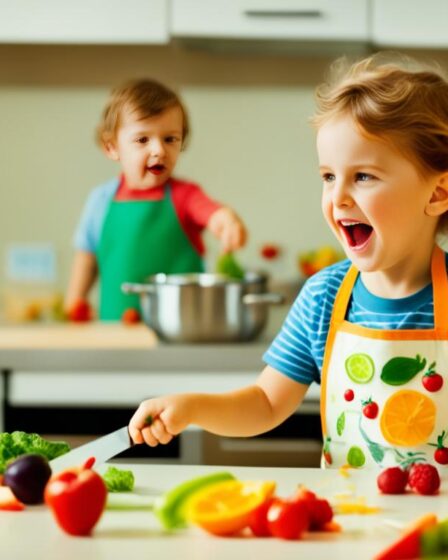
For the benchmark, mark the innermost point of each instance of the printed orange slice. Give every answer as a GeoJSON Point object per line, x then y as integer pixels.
{"type": "Point", "coordinates": [408, 418]}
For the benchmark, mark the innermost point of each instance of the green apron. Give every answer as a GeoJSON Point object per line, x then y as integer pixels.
{"type": "Point", "coordinates": [138, 239]}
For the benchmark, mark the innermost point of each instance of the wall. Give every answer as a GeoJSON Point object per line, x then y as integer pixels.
{"type": "Point", "coordinates": [251, 146]}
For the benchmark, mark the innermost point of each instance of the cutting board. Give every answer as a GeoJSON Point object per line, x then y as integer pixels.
{"type": "Point", "coordinates": [83, 336]}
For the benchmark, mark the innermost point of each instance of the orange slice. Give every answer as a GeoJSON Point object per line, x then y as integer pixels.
{"type": "Point", "coordinates": [408, 418]}
{"type": "Point", "coordinates": [224, 508]}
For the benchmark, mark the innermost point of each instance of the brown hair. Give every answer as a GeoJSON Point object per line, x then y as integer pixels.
{"type": "Point", "coordinates": [147, 98]}
{"type": "Point", "coordinates": [399, 100]}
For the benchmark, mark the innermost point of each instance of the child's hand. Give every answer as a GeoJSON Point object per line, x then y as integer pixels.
{"type": "Point", "coordinates": [159, 420]}
{"type": "Point", "coordinates": [226, 225]}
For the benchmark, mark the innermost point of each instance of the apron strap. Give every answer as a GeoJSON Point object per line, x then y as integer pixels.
{"type": "Point", "coordinates": [440, 289]}
{"type": "Point", "coordinates": [343, 296]}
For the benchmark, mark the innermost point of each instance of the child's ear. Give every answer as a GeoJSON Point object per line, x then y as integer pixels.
{"type": "Point", "coordinates": [110, 150]}
{"type": "Point", "coordinates": [438, 204]}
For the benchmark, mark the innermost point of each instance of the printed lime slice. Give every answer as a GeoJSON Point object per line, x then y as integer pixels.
{"type": "Point", "coordinates": [356, 457]}
{"type": "Point", "coordinates": [360, 368]}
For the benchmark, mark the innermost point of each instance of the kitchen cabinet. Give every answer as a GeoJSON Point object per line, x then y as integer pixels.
{"type": "Point", "coordinates": [397, 23]}
{"type": "Point", "coordinates": [84, 21]}
{"type": "Point", "coordinates": [304, 20]}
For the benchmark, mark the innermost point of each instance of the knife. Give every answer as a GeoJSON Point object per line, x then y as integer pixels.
{"type": "Point", "coordinates": [103, 449]}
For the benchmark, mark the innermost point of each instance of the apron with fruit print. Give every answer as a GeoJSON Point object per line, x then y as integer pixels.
{"type": "Point", "coordinates": [140, 238]}
{"type": "Point", "coordinates": [384, 397]}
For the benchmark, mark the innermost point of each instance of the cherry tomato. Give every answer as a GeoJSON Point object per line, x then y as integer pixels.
{"type": "Point", "coordinates": [258, 521]}
{"type": "Point", "coordinates": [349, 395]}
{"type": "Point", "coordinates": [370, 409]}
{"type": "Point", "coordinates": [288, 519]}
{"type": "Point", "coordinates": [441, 456]}
{"type": "Point", "coordinates": [81, 312]}
{"type": "Point", "coordinates": [432, 382]}
{"type": "Point", "coordinates": [130, 316]}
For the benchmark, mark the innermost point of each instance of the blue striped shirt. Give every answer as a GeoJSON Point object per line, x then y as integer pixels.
{"type": "Point", "coordinates": [298, 349]}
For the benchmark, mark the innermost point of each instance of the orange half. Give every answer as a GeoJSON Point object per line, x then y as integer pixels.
{"type": "Point", "coordinates": [224, 508]}
{"type": "Point", "coordinates": [408, 418]}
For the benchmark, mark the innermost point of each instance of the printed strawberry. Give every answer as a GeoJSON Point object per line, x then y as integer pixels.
{"type": "Point", "coordinates": [80, 312]}
{"type": "Point", "coordinates": [370, 409]}
{"type": "Point", "coordinates": [349, 395]}
{"type": "Point", "coordinates": [432, 381]}
{"type": "Point", "coordinates": [326, 451]}
{"type": "Point", "coordinates": [441, 453]}
{"type": "Point", "coordinates": [424, 479]}
{"type": "Point", "coordinates": [392, 481]}
{"type": "Point", "coordinates": [130, 316]}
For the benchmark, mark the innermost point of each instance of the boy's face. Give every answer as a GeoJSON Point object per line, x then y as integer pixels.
{"type": "Point", "coordinates": [147, 148]}
{"type": "Point", "coordinates": [373, 198]}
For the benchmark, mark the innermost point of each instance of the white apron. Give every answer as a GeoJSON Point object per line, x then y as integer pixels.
{"type": "Point", "coordinates": [367, 370]}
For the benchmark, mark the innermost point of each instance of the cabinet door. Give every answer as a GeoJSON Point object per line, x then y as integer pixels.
{"type": "Point", "coordinates": [410, 24]}
{"type": "Point", "coordinates": [84, 21]}
{"type": "Point", "coordinates": [323, 20]}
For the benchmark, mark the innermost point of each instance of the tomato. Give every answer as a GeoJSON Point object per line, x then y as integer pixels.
{"type": "Point", "coordinates": [258, 521]}
{"type": "Point", "coordinates": [370, 409]}
{"type": "Point", "coordinates": [432, 381]}
{"type": "Point", "coordinates": [287, 519]}
{"type": "Point", "coordinates": [80, 312]}
{"type": "Point", "coordinates": [319, 510]}
{"type": "Point", "coordinates": [349, 395]}
{"type": "Point", "coordinates": [441, 456]}
{"type": "Point", "coordinates": [270, 251]}
{"type": "Point", "coordinates": [130, 316]}
{"type": "Point", "coordinates": [77, 498]}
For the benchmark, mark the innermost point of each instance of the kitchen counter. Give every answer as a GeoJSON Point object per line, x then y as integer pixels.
{"type": "Point", "coordinates": [33, 534]}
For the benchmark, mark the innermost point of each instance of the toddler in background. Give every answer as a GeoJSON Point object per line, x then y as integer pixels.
{"type": "Point", "coordinates": [145, 221]}
{"type": "Point", "coordinates": [373, 329]}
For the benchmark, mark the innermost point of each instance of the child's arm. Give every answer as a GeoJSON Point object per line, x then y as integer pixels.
{"type": "Point", "coordinates": [228, 227]}
{"type": "Point", "coordinates": [83, 275]}
{"type": "Point", "coordinates": [246, 412]}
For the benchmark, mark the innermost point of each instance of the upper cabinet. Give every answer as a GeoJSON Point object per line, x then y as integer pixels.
{"type": "Point", "coordinates": [304, 20]}
{"type": "Point", "coordinates": [84, 21]}
{"type": "Point", "coordinates": [401, 23]}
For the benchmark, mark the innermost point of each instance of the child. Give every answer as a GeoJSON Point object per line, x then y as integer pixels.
{"type": "Point", "coordinates": [145, 221]}
{"type": "Point", "coordinates": [372, 329]}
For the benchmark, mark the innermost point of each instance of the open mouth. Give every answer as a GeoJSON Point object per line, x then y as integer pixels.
{"type": "Point", "coordinates": [357, 234]}
{"type": "Point", "coordinates": [156, 169]}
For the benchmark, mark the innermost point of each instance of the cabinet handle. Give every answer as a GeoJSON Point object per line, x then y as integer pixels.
{"type": "Point", "coordinates": [284, 13]}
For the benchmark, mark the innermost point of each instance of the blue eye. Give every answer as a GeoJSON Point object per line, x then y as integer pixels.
{"type": "Point", "coordinates": [363, 177]}
{"type": "Point", "coordinates": [328, 177]}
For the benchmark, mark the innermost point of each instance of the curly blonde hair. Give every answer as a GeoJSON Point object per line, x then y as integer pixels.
{"type": "Point", "coordinates": [144, 96]}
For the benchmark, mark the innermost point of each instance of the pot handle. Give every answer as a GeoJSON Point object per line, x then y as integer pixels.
{"type": "Point", "coordinates": [131, 288]}
{"type": "Point", "coordinates": [263, 299]}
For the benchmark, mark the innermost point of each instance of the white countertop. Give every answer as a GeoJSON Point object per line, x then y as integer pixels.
{"type": "Point", "coordinates": [33, 534]}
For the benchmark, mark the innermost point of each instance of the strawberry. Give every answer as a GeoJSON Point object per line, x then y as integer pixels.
{"type": "Point", "coordinates": [392, 481]}
{"type": "Point", "coordinates": [432, 381]}
{"type": "Point", "coordinates": [370, 409]}
{"type": "Point", "coordinates": [130, 316]}
{"type": "Point", "coordinates": [424, 479]}
{"type": "Point", "coordinates": [349, 395]}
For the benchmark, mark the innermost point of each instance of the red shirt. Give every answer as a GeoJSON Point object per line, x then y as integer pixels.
{"type": "Point", "coordinates": [192, 206]}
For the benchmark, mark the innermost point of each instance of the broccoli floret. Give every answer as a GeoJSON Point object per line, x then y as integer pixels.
{"type": "Point", "coordinates": [118, 480]}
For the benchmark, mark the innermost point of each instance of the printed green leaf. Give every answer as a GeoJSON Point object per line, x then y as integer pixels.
{"type": "Point", "coordinates": [401, 370]}
{"type": "Point", "coordinates": [340, 424]}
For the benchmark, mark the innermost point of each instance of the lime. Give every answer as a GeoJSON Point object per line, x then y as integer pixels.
{"type": "Point", "coordinates": [360, 368]}
{"type": "Point", "coordinates": [356, 457]}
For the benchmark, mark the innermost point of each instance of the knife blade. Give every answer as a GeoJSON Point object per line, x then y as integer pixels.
{"type": "Point", "coordinates": [102, 449]}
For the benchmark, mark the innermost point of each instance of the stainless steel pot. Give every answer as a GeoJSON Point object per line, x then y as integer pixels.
{"type": "Point", "coordinates": [204, 307]}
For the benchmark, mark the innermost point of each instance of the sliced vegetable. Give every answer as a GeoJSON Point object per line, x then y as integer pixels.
{"type": "Point", "coordinates": [27, 477]}
{"type": "Point", "coordinates": [225, 508]}
{"type": "Point", "coordinates": [8, 502]}
{"type": "Point", "coordinates": [77, 498]}
{"type": "Point", "coordinates": [401, 370]}
{"type": "Point", "coordinates": [119, 480]}
{"type": "Point", "coordinates": [170, 507]}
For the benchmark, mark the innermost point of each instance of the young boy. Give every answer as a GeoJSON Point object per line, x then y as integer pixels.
{"type": "Point", "coordinates": [145, 221]}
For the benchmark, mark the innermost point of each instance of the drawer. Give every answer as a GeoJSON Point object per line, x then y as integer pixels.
{"type": "Point", "coordinates": [323, 20]}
